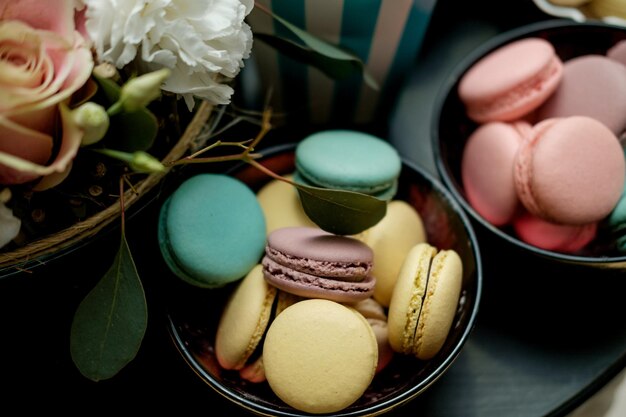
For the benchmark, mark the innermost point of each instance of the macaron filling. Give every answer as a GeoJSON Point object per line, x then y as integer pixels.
{"type": "Point", "coordinates": [416, 302]}
{"type": "Point", "coordinates": [308, 285]}
{"type": "Point", "coordinates": [343, 271]}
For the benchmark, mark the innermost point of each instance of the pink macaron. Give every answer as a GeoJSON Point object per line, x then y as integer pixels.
{"type": "Point", "coordinates": [487, 170]}
{"type": "Point", "coordinates": [551, 236]}
{"type": "Point", "coordinates": [570, 170]}
{"type": "Point", "coordinates": [511, 81]}
{"type": "Point", "coordinates": [594, 86]}
{"type": "Point", "coordinates": [312, 263]}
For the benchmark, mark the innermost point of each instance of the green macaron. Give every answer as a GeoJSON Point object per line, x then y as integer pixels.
{"type": "Point", "coordinates": [348, 160]}
{"type": "Point", "coordinates": [211, 230]}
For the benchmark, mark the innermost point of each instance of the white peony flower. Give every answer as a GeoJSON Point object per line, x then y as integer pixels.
{"type": "Point", "coordinates": [200, 41]}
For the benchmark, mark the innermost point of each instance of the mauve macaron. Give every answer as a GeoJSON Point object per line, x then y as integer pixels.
{"type": "Point", "coordinates": [211, 230]}
{"type": "Point", "coordinates": [593, 86]}
{"type": "Point", "coordinates": [511, 81]}
{"type": "Point", "coordinates": [570, 170]}
{"type": "Point", "coordinates": [312, 263]}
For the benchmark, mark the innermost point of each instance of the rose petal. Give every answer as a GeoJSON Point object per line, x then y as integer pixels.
{"type": "Point", "coordinates": [25, 144]}
{"type": "Point", "coordinates": [72, 137]}
{"type": "Point", "coordinates": [57, 15]}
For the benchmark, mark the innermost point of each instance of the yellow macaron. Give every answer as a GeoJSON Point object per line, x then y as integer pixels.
{"type": "Point", "coordinates": [244, 320]}
{"type": "Point", "coordinates": [391, 239]}
{"type": "Point", "coordinates": [424, 301]}
{"type": "Point", "coordinates": [319, 356]}
{"type": "Point", "coordinates": [281, 206]}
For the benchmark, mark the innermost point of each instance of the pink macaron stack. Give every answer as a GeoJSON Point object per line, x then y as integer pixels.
{"type": "Point", "coordinates": [545, 159]}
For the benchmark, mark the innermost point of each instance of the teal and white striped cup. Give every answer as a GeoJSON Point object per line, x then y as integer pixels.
{"type": "Point", "coordinates": [385, 34]}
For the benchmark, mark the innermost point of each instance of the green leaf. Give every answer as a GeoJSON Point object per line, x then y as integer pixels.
{"type": "Point", "coordinates": [110, 323]}
{"type": "Point", "coordinates": [130, 132]}
{"type": "Point", "coordinates": [335, 62]}
{"type": "Point", "coordinates": [341, 212]}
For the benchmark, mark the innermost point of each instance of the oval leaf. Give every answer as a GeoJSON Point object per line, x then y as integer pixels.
{"type": "Point", "coordinates": [110, 323]}
{"type": "Point", "coordinates": [341, 212]}
{"type": "Point", "coordinates": [335, 62]}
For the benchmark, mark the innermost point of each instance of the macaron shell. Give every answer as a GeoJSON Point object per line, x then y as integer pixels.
{"type": "Point", "coordinates": [440, 304]}
{"type": "Point", "coordinates": [555, 237]}
{"type": "Point", "coordinates": [511, 81]}
{"type": "Point", "coordinates": [281, 206]}
{"type": "Point", "coordinates": [348, 160]}
{"type": "Point", "coordinates": [244, 320]}
{"type": "Point", "coordinates": [391, 239]}
{"type": "Point", "coordinates": [487, 170]}
{"type": "Point", "coordinates": [570, 171]}
{"type": "Point", "coordinates": [320, 356]}
{"type": "Point", "coordinates": [314, 251]}
{"type": "Point", "coordinates": [201, 230]}
{"type": "Point", "coordinates": [593, 86]}
{"type": "Point", "coordinates": [407, 298]}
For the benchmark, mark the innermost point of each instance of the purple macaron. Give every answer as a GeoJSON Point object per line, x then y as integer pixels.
{"type": "Point", "coordinates": [312, 263]}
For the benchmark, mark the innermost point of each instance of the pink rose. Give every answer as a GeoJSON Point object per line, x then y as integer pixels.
{"type": "Point", "coordinates": [43, 61]}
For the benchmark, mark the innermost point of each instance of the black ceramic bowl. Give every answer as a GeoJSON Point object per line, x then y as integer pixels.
{"type": "Point", "coordinates": [194, 313]}
{"type": "Point", "coordinates": [451, 128]}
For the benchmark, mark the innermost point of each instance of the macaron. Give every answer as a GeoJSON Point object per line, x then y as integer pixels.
{"type": "Point", "coordinates": [281, 206]}
{"type": "Point", "coordinates": [551, 236]}
{"type": "Point", "coordinates": [487, 170]}
{"type": "Point", "coordinates": [348, 160]}
{"type": "Point", "coordinates": [617, 223]}
{"type": "Point", "coordinates": [593, 86]}
{"type": "Point", "coordinates": [424, 301]}
{"type": "Point", "coordinates": [375, 315]}
{"type": "Point", "coordinates": [617, 52]}
{"type": "Point", "coordinates": [211, 230]}
{"type": "Point", "coordinates": [390, 240]}
{"type": "Point", "coordinates": [312, 263]}
{"type": "Point", "coordinates": [511, 81]}
{"type": "Point", "coordinates": [244, 321]}
{"type": "Point", "coordinates": [320, 356]}
{"type": "Point", "coordinates": [570, 170]}
{"type": "Point", "coordinates": [608, 8]}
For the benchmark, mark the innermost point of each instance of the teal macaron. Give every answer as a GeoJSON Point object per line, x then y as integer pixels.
{"type": "Point", "coordinates": [211, 230]}
{"type": "Point", "coordinates": [348, 160]}
{"type": "Point", "coordinates": [617, 222]}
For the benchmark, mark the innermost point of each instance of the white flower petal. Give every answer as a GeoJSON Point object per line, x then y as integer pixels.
{"type": "Point", "coordinates": [9, 225]}
{"type": "Point", "coordinates": [203, 40]}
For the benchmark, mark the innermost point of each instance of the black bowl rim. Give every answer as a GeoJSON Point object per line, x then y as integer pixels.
{"type": "Point", "coordinates": [443, 93]}
{"type": "Point", "coordinates": [384, 406]}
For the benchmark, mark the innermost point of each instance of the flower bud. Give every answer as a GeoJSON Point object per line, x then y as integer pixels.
{"type": "Point", "coordinates": [146, 163]}
{"type": "Point", "coordinates": [140, 91]}
{"type": "Point", "coordinates": [93, 120]}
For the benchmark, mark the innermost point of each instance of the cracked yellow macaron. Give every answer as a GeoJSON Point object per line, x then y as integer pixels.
{"type": "Point", "coordinates": [424, 301]}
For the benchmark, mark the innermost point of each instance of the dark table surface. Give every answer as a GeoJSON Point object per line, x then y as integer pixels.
{"type": "Point", "coordinates": [546, 337]}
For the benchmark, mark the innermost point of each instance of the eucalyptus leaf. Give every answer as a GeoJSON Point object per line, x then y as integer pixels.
{"type": "Point", "coordinates": [335, 62]}
{"type": "Point", "coordinates": [134, 131]}
{"type": "Point", "coordinates": [110, 322]}
{"type": "Point", "coordinates": [341, 212]}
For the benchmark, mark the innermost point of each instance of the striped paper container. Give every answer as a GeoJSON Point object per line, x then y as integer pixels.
{"type": "Point", "coordinates": [385, 34]}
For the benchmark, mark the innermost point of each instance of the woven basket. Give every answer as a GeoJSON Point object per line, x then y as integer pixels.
{"type": "Point", "coordinates": [49, 245]}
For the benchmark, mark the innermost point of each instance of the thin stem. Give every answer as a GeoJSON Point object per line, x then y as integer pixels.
{"type": "Point", "coordinates": [122, 207]}
{"type": "Point", "coordinates": [267, 171]}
